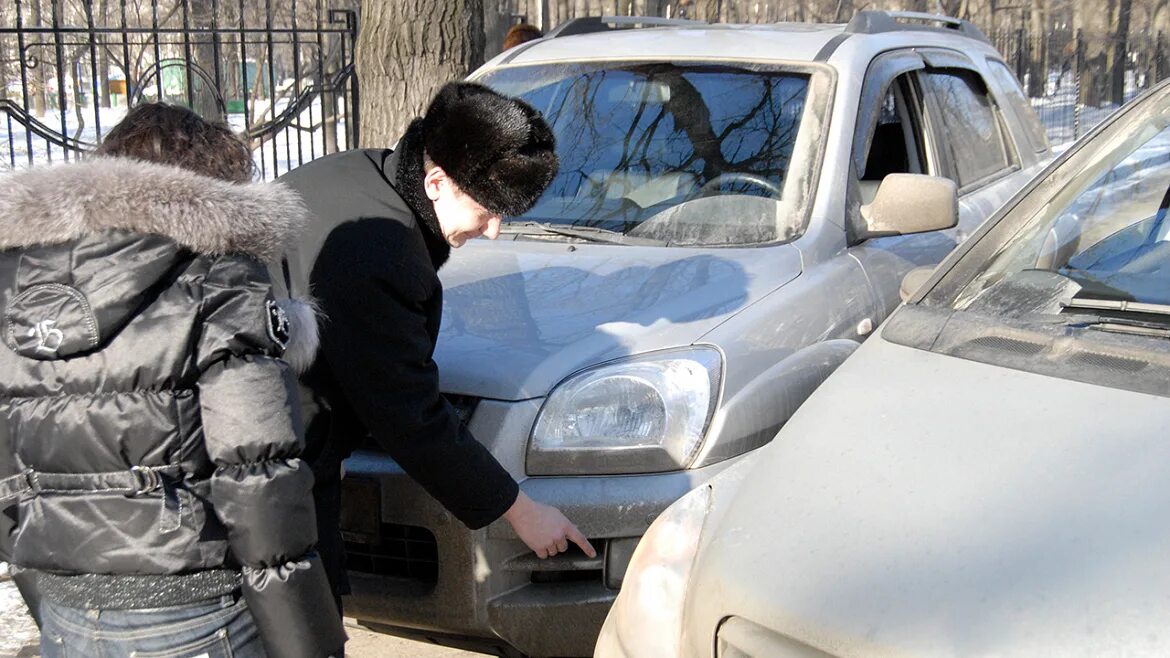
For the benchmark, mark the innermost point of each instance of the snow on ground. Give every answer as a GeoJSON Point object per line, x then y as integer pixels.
{"type": "Point", "coordinates": [1057, 109]}
{"type": "Point", "coordinates": [19, 636]}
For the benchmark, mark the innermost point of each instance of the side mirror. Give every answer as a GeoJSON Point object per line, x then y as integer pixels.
{"type": "Point", "coordinates": [914, 280]}
{"type": "Point", "coordinates": [910, 203]}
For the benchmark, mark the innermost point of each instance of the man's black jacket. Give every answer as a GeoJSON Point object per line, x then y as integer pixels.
{"type": "Point", "coordinates": [372, 261]}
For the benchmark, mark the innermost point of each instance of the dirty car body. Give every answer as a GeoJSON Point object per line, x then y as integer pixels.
{"type": "Point", "coordinates": [702, 262]}
{"type": "Point", "coordinates": [986, 476]}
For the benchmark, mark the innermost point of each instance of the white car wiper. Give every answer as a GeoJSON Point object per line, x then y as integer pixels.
{"type": "Point", "coordinates": [1116, 305]}
{"type": "Point", "coordinates": [587, 233]}
{"type": "Point", "coordinates": [1124, 325]}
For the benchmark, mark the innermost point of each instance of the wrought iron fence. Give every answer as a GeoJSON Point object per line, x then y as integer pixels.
{"type": "Point", "coordinates": [282, 74]}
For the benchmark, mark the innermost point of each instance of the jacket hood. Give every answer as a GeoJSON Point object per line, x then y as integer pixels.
{"type": "Point", "coordinates": [85, 245]}
{"type": "Point", "coordinates": [65, 202]}
{"type": "Point", "coordinates": [520, 316]}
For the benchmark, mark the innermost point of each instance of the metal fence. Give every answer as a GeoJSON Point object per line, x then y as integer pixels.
{"type": "Point", "coordinates": [280, 74]}
{"type": "Point", "coordinates": [1076, 79]}
{"type": "Point", "coordinates": [281, 71]}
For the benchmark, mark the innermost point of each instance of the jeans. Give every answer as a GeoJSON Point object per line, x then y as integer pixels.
{"type": "Point", "coordinates": [222, 628]}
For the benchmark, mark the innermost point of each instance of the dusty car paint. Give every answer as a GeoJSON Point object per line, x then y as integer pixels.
{"type": "Point", "coordinates": [547, 310]}
{"type": "Point", "coordinates": [960, 540]}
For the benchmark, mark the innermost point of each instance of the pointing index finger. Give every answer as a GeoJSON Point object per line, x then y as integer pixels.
{"type": "Point", "coordinates": [579, 539]}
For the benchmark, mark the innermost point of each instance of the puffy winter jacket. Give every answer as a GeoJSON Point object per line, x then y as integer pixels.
{"type": "Point", "coordinates": [149, 426]}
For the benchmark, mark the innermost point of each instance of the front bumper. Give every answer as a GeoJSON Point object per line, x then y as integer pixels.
{"type": "Point", "coordinates": [485, 586]}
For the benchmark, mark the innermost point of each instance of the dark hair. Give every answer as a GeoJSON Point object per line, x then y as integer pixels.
{"type": "Point", "coordinates": [174, 135]}
{"type": "Point", "coordinates": [519, 33]}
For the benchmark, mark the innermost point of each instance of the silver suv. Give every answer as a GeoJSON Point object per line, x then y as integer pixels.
{"type": "Point", "coordinates": [736, 207]}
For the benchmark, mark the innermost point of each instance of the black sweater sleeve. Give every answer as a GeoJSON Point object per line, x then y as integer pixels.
{"type": "Point", "coordinates": [379, 348]}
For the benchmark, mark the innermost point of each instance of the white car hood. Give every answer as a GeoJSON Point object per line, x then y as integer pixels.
{"type": "Point", "coordinates": [519, 316]}
{"type": "Point", "coordinates": [925, 505]}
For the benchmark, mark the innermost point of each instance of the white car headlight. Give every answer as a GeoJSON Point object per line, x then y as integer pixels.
{"type": "Point", "coordinates": [647, 618]}
{"type": "Point", "coordinates": [640, 415]}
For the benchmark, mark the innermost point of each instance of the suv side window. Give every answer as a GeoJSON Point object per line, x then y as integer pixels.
{"type": "Point", "coordinates": [896, 145]}
{"type": "Point", "coordinates": [1014, 97]}
{"type": "Point", "coordinates": [971, 136]}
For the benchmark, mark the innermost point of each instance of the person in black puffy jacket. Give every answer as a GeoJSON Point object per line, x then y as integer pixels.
{"type": "Point", "coordinates": [152, 499]}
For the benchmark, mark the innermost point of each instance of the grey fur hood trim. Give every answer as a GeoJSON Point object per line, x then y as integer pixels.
{"type": "Point", "coordinates": [64, 202]}
{"type": "Point", "coordinates": [304, 333]}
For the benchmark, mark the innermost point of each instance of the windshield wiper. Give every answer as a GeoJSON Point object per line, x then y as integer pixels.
{"type": "Point", "coordinates": [1125, 324]}
{"type": "Point", "coordinates": [587, 233]}
{"type": "Point", "coordinates": [1116, 306]}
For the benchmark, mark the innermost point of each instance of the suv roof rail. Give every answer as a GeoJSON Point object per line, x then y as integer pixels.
{"type": "Point", "coordinates": [589, 24]}
{"type": "Point", "coordinates": [876, 22]}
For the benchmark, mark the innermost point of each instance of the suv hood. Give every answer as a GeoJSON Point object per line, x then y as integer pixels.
{"type": "Point", "coordinates": [519, 316]}
{"type": "Point", "coordinates": [926, 505]}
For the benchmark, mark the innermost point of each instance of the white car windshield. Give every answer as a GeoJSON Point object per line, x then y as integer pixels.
{"type": "Point", "coordinates": [1100, 237]}
{"type": "Point", "coordinates": [667, 153]}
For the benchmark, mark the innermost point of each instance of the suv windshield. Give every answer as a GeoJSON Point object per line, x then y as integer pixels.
{"type": "Point", "coordinates": [666, 153]}
{"type": "Point", "coordinates": [1099, 238]}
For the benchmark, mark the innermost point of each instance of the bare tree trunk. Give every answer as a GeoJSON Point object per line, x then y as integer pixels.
{"type": "Point", "coordinates": [843, 11]}
{"type": "Point", "coordinates": [495, 28]}
{"type": "Point", "coordinates": [204, 89]}
{"type": "Point", "coordinates": [949, 7]}
{"type": "Point", "coordinates": [964, 9]}
{"type": "Point", "coordinates": [330, 108]}
{"type": "Point", "coordinates": [1160, 68]}
{"type": "Point", "coordinates": [1160, 17]}
{"type": "Point", "coordinates": [78, 91]}
{"type": "Point", "coordinates": [8, 55]}
{"type": "Point", "coordinates": [1118, 54]}
{"type": "Point", "coordinates": [405, 52]}
{"type": "Point", "coordinates": [39, 82]}
{"type": "Point", "coordinates": [103, 64]}
{"type": "Point", "coordinates": [1037, 48]}
{"type": "Point", "coordinates": [1092, 17]}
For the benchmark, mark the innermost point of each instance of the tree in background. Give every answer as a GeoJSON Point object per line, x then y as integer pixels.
{"type": "Point", "coordinates": [405, 51]}
{"type": "Point", "coordinates": [1104, 25]}
{"type": "Point", "coordinates": [1119, 19]}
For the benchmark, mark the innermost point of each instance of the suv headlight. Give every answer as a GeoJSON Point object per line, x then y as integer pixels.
{"type": "Point", "coordinates": [640, 415]}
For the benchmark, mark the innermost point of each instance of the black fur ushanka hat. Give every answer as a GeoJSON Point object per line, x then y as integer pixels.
{"type": "Point", "coordinates": [497, 149]}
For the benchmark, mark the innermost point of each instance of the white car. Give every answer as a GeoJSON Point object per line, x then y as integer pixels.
{"type": "Point", "coordinates": [987, 476]}
{"type": "Point", "coordinates": [715, 244]}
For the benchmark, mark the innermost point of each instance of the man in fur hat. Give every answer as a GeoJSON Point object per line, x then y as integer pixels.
{"type": "Point", "coordinates": [386, 222]}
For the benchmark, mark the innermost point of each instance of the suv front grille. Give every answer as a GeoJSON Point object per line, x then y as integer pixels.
{"type": "Point", "coordinates": [404, 551]}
